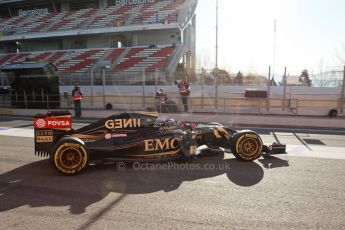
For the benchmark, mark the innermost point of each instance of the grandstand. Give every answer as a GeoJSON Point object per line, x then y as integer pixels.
{"type": "Point", "coordinates": [129, 36]}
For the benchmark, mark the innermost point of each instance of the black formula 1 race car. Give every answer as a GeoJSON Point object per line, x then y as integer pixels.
{"type": "Point", "coordinates": [136, 136]}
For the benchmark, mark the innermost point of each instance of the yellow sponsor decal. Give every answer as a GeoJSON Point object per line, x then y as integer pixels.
{"type": "Point", "coordinates": [192, 150]}
{"type": "Point", "coordinates": [251, 136]}
{"type": "Point", "coordinates": [44, 139]}
{"type": "Point", "coordinates": [219, 132]}
{"type": "Point", "coordinates": [71, 145]}
{"type": "Point", "coordinates": [44, 133]}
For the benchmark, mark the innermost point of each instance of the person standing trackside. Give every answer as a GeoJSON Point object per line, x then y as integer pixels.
{"type": "Point", "coordinates": [184, 90]}
{"type": "Point", "coordinates": [77, 94]}
{"type": "Point", "coordinates": [161, 98]}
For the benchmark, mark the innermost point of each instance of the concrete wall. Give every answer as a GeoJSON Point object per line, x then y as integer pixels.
{"type": "Point", "coordinates": [162, 37]}
{"type": "Point", "coordinates": [31, 46]}
{"type": "Point", "coordinates": [100, 41]}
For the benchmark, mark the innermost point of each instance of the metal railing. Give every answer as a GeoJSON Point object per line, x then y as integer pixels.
{"type": "Point", "coordinates": [130, 78]}
{"type": "Point", "coordinates": [195, 103]}
{"type": "Point", "coordinates": [200, 76]}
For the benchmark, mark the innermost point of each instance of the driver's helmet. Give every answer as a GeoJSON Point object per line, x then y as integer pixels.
{"type": "Point", "coordinates": [170, 123]}
{"type": "Point", "coordinates": [160, 92]}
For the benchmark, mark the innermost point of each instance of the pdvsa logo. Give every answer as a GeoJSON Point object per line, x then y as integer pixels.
{"type": "Point", "coordinates": [108, 136]}
{"type": "Point", "coordinates": [40, 123]}
{"type": "Point", "coordinates": [53, 123]}
{"type": "Point", "coordinates": [58, 123]}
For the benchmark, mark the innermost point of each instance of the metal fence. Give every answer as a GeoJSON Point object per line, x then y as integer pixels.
{"type": "Point", "coordinates": [206, 103]}
{"type": "Point", "coordinates": [209, 93]}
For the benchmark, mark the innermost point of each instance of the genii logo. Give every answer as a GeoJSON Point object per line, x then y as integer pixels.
{"type": "Point", "coordinates": [123, 123]}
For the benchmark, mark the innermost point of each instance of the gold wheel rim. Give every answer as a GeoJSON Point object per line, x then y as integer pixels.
{"type": "Point", "coordinates": [70, 158]}
{"type": "Point", "coordinates": [249, 147]}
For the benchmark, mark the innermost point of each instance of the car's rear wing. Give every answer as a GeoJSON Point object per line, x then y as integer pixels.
{"type": "Point", "coordinates": [49, 128]}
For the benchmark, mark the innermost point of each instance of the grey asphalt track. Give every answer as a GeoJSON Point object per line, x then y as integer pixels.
{"type": "Point", "coordinates": [302, 190]}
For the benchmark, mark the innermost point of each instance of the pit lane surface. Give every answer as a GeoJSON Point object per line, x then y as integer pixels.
{"type": "Point", "coordinates": [304, 189]}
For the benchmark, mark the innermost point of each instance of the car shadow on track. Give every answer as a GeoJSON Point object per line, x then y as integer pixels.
{"type": "Point", "coordinates": [37, 184]}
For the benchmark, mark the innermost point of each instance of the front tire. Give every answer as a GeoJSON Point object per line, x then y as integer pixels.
{"type": "Point", "coordinates": [247, 146]}
{"type": "Point", "coordinates": [69, 156]}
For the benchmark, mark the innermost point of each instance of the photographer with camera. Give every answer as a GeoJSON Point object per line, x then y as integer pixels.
{"type": "Point", "coordinates": [161, 99]}
{"type": "Point", "coordinates": [184, 90]}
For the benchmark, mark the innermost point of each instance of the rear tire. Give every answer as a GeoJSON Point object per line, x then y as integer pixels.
{"type": "Point", "coordinates": [247, 146]}
{"type": "Point", "coordinates": [69, 156]}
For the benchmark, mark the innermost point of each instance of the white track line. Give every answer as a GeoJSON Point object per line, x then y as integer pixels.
{"type": "Point", "coordinates": [316, 152]}
{"type": "Point", "coordinates": [16, 132]}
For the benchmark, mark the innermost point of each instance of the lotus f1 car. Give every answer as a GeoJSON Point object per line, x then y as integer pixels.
{"type": "Point", "coordinates": [136, 136]}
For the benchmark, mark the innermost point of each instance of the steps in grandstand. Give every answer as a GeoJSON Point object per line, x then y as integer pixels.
{"type": "Point", "coordinates": [74, 19]}
{"type": "Point", "coordinates": [80, 61]}
{"type": "Point", "coordinates": [56, 57]}
{"type": "Point", "coordinates": [154, 13]}
{"type": "Point", "coordinates": [116, 56]}
{"type": "Point", "coordinates": [6, 58]}
{"type": "Point", "coordinates": [39, 22]}
{"type": "Point", "coordinates": [132, 14]}
{"type": "Point", "coordinates": [10, 25]}
{"type": "Point", "coordinates": [112, 16]}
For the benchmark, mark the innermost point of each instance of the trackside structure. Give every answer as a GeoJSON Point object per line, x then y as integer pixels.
{"type": "Point", "coordinates": [126, 37]}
